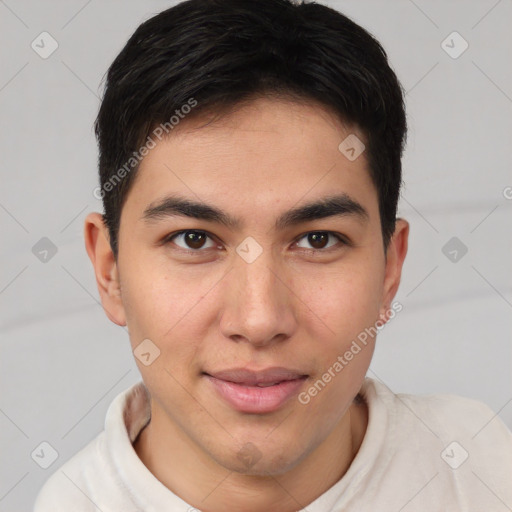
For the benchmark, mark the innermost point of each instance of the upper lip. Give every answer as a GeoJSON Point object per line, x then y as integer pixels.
{"type": "Point", "coordinates": [252, 377]}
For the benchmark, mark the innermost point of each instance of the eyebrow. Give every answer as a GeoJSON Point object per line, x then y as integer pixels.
{"type": "Point", "coordinates": [331, 206]}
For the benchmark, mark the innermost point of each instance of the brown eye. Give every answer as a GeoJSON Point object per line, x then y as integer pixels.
{"type": "Point", "coordinates": [318, 240]}
{"type": "Point", "coordinates": [191, 240]}
{"type": "Point", "coordinates": [194, 239]}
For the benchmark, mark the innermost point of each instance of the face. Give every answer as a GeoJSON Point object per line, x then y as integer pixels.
{"type": "Point", "coordinates": [249, 305]}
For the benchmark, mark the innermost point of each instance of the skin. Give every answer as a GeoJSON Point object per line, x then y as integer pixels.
{"type": "Point", "coordinates": [294, 306]}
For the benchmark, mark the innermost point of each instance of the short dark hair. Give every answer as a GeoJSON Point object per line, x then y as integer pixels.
{"type": "Point", "coordinates": [217, 54]}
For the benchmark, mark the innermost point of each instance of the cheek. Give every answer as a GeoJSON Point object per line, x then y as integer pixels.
{"type": "Point", "coordinates": [349, 305]}
{"type": "Point", "coordinates": [160, 310]}
{"type": "Point", "coordinates": [344, 302]}
{"type": "Point", "coordinates": [152, 295]}
{"type": "Point", "coordinates": [167, 306]}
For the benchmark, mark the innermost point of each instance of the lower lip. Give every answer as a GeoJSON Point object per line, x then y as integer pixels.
{"type": "Point", "coordinates": [254, 399]}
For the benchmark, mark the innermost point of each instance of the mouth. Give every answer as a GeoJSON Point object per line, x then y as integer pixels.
{"type": "Point", "coordinates": [256, 392]}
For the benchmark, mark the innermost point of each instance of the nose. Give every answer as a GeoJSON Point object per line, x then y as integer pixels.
{"type": "Point", "coordinates": [259, 302]}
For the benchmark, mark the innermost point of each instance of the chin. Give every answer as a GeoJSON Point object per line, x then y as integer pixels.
{"type": "Point", "coordinates": [250, 461]}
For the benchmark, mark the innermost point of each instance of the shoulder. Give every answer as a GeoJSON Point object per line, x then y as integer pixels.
{"type": "Point", "coordinates": [69, 487]}
{"type": "Point", "coordinates": [446, 429]}
{"type": "Point", "coordinates": [452, 414]}
{"type": "Point", "coordinates": [443, 414]}
{"type": "Point", "coordinates": [454, 448]}
{"type": "Point", "coordinates": [92, 479]}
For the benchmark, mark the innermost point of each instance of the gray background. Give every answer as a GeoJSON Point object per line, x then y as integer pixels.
{"type": "Point", "coordinates": [62, 361]}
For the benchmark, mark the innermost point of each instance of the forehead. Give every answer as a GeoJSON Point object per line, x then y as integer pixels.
{"type": "Point", "coordinates": [267, 152]}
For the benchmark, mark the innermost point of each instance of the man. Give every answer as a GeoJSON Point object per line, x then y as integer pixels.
{"type": "Point", "coordinates": [250, 169]}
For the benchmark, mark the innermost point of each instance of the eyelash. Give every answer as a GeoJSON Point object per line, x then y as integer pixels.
{"type": "Point", "coordinates": [341, 239]}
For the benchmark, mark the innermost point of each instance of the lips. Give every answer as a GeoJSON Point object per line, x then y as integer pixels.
{"type": "Point", "coordinates": [256, 391]}
{"type": "Point", "coordinates": [255, 378]}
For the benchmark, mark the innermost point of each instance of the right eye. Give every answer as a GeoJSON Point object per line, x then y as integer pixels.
{"type": "Point", "coordinates": [193, 240]}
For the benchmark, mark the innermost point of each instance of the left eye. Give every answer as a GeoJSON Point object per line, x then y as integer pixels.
{"type": "Point", "coordinates": [319, 239]}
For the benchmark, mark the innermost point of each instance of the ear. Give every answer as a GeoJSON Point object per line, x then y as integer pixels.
{"type": "Point", "coordinates": [105, 267]}
{"type": "Point", "coordinates": [395, 256]}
